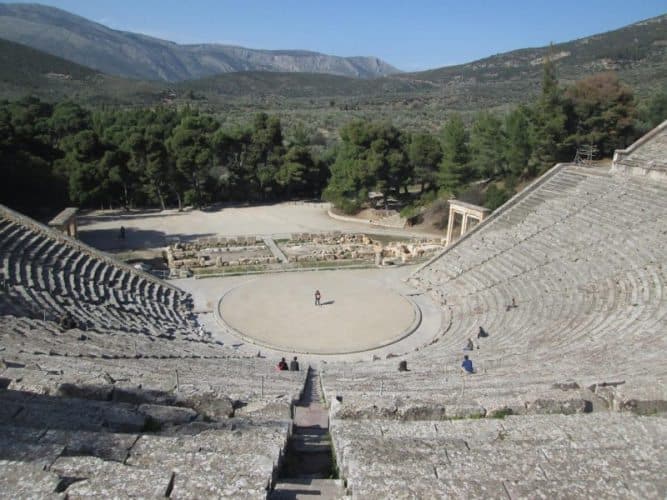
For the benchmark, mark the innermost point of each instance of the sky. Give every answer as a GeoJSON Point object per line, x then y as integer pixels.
{"type": "Point", "coordinates": [409, 34]}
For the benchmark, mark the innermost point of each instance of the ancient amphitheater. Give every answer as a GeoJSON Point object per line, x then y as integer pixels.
{"type": "Point", "coordinates": [116, 384]}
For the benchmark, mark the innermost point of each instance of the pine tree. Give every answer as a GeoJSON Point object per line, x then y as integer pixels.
{"type": "Point", "coordinates": [518, 145]}
{"type": "Point", "coordinates": [550, 122]}
{"type": "Point", "coordinates": [454, 171]}
{"type": "Point", "coordinates": [487, 146]}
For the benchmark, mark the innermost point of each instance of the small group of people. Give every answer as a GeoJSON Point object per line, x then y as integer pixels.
{"type": "Point", "coordinates": [466, 365]}
{"type": "Point", "coordinates": [292, 367]}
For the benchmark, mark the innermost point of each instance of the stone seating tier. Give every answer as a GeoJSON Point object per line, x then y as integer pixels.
{"type": "Point", "coordinates": [610, 455]}
{"type": "Point", "coordinates": [584, 258]}
{"type": "Point", "coordinates": [137, 415]}
{"type": "Point", "coordinates": [46, 275]}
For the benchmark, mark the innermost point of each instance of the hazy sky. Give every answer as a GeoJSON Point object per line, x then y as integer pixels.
{"type": "Point", "coordinates": [411, 35]}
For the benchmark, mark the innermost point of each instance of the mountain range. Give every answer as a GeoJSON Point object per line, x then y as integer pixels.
{"type": "Point", "coordinates": [637, 53]}
{"type": "Point", "coordinates": [142, 57]}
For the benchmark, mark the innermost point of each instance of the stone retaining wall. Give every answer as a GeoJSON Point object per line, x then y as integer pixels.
{"type": "Point", "coordinates": [212, 253]}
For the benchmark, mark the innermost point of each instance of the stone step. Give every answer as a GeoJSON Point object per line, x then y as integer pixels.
{"type": "Point", "coordinates": [307, 488]}
{"type": "Point", "coordinates": [310, 444]}
{"type": "Point", "coordinates": [314, 416]}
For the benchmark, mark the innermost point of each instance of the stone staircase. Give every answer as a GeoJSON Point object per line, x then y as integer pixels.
{"type": "Point", "coordinates": [309, 468]}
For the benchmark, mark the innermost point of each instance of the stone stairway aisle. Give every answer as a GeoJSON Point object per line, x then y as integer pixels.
{"type": "Point", "coordinates": [277, 252]}
{"type": "Point", "coordinates": [309, 469]}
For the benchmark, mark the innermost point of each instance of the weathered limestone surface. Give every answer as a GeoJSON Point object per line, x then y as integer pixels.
{"type": "Point", "coordinates": [569, 283]}
{"type": "Point", "coordinates": [47, 275]}
{"type": "Point", "coordinates": [190, 419]}
{"type": "Point", "coordinates": [612, 455]}
{"type": "Point", "coordinates": [23, 480]}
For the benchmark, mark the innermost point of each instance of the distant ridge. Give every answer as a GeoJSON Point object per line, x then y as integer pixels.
{"type": "Point", "coordinates": [640, 44]}
{"type": "Point", "coordinates": [139, 56]}
{"type": "Point", "coordinates": [21, 65]}
{"type": "Point", "coordinates": [637, 53]}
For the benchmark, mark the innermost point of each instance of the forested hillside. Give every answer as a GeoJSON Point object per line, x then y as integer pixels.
{"type": "Point", "coordinates": [57, 154]}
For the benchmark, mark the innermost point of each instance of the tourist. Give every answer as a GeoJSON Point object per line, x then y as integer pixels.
{"type": "Point", "coordinates": [318, 296]}
{"type": "Point", "coordinates": [67, 321]}
{"type": "Point", "coordinates": [469, 346]}
{"type": "Point", "coordinates": [482, 333]}
{"type": "Point", "coordinates": [282, 365]}
{"type": "Point", "coordinates": [294, 365]}
{"type": "Point", "coordinates": [403, 366]}
{"type": "Point", "coordinates": [122, 233]}
{"type": "Point", "coordinates": [466, 366]}
{"type": "Point", "coordinates": [512, 305]}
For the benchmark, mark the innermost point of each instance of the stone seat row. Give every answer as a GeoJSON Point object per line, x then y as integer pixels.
{"type": "Point", "coordinates": [609, 454]}
{"type": "Point", "coordinates": [47, 337]}
{"type": "Point", "coordinates": [46, 274]}
{"type": "Point", "coordinates": [209, 460]}
{"type": "Point", "coordinates": [241, 379]}
{"type": "Point", "coordinates": [646, 203]}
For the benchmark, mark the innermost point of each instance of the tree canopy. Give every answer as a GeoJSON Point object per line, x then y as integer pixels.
{"type": "Point", "coordinates": [57, 154]}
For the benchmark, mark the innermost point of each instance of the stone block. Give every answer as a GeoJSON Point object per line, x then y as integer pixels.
{"type": "Point", "coordinates": [104, 479]}
{"type": "Point", "coordinates": [210, 405]}
{"type": "Point", "coordinates": [137, 396]}
{"type": "Point", "coordinates": [566, 488]}
{"type": "Point", "coordinates": [104, 445]}
{"type": "Point", "coordinates": [561, 406]}
{"type": "Point", "coordinates": [20, 479]}
{"type": "Point", "coordinates": [167, 415]}
{"type": "Point", "coordinates": [94, 392]}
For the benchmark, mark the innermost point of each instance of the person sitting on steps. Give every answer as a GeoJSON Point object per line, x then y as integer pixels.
{"type": "Point", "coordinates": [466, 366]}
{"type": "Point", "coordinates": [482, 333]}
{"type": "Point", "coordinates": [469, 346]}
{"type": "Point", "coordinates": [294, 365]}
{"type": "Point", "coordinates": [282, 365]}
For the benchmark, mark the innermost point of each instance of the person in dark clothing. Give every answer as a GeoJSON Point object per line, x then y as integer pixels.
{"type": "Point", "coordinates": [512, 305]}
{"type": "Point", "coordinates": [294, 365]}
{"type": "Point", "coordinates": [67, 321]}
{"type": "Point", "coordinates": [466, 366]}
{"type": "Point", "coordinates": [122, 233]}
{"type": "Point", "coordinates": [482, 333]}
{"type": "Point", "coordinates": [403, 366]}
{"type": "Point", "coordinates": [318, 296]}
{"type": "Point", "coordinates": [282, 365]}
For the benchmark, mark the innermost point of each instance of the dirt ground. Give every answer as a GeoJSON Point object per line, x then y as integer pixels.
{"type": "Point", "coordinates": [354, 315]}
{"type": "Point", "coordinates": [154, 229]}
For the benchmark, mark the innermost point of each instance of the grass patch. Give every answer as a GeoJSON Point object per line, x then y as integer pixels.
{"type": "Point", "coordinates": [501, 414]}
{"type": "Point", "coordinates": [317, 264]}
{"type": "Point", "coordinates": [475, 416]}
{"type": "Point", "coordinates": [227, 270]}
{"type": "Point", "coordinates": [335, 470]}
